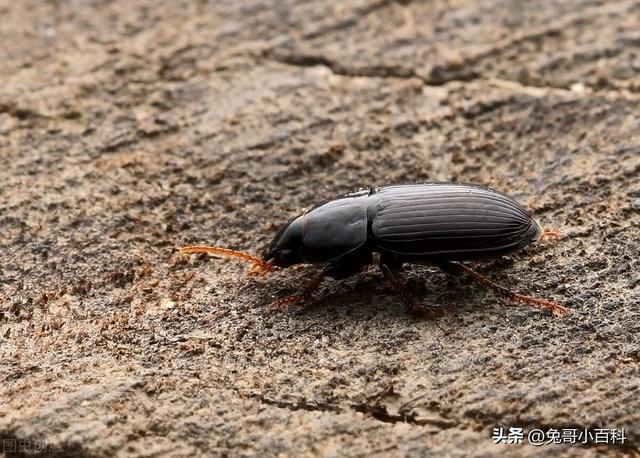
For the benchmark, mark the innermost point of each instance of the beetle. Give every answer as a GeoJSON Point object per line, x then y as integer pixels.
{"type": "Point", "coordinates": [438, 224]}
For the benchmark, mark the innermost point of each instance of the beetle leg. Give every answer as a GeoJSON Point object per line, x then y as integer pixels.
{"type": "Point", "coordinates": [305, 296]}
{"type": "Point", "coordinates": [452, 266]}
{"type": "Point", "coordinates": [412, 307]}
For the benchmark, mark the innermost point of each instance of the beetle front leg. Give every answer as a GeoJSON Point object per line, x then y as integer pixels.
{"type": "Point", "coordinates": [456, 267]}
{"type": "Point", "coordinates": [305, 296]}
{"type": "Point", "coordinates": [412, 306]}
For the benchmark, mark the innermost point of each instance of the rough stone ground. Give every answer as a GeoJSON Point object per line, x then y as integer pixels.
{"type": "Point", "coordinates": [128, 129]}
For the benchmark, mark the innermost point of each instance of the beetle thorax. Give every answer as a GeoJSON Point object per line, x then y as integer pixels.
{"type": "Point", "coordinates": [322, 235]}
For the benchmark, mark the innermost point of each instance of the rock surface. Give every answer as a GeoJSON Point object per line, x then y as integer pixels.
{"type": "Point", "coordinates": [129, 129]}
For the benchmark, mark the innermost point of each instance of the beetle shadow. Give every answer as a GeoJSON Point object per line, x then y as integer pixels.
{"type": "Point", "coordinates": [428, 285]}
{"type": "Point", "coordinates": [369, 292]}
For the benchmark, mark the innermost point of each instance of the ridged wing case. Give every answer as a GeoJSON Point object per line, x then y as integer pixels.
{"type": "Point", "coordinates": [424, 222]}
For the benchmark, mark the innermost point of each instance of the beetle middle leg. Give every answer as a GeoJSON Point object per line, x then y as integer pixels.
{"type": "Point", "coordinates": [456, 267]}
{"type": "Point", "coordinates": [413, 307]}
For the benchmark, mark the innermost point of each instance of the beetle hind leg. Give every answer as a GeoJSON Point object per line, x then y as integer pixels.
{"type": "Point", "coordinates": [456, 267]}
{"type": "Point", "coordinates": [412, 306]}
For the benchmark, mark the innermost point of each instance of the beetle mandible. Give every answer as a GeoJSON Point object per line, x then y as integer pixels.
{"type": "Point", "coordinates": [438, 224]}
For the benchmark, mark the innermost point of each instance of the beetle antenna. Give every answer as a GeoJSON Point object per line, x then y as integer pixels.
{"type": "Point", "coordinates": [550, 235]}
{"type": "Point", "coordinates": [259, 267]}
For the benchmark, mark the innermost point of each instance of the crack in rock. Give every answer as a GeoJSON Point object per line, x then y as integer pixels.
{"type": "Point", "coordinates": [376, 411]}
{"type": "Point", "coordinates": [352, 20]}
{"type": "Point", "coordinates": [438, 75]}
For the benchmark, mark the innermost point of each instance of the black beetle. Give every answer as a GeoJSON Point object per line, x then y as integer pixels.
{"type": "Point", "coordinates": [431, 223]}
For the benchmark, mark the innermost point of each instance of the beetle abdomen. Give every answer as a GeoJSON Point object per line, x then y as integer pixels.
{"type": "Point", "coordinates": [448, 221]}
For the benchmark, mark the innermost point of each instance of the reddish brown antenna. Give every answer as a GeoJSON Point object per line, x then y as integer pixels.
{"type": "Point", "coordinates": [259, 267]}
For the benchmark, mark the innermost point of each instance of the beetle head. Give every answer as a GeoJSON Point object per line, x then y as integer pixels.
{"type": "Point", "coordinates": [284, 249]}
{"type": "Point", "coordinates": [322, 235]}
